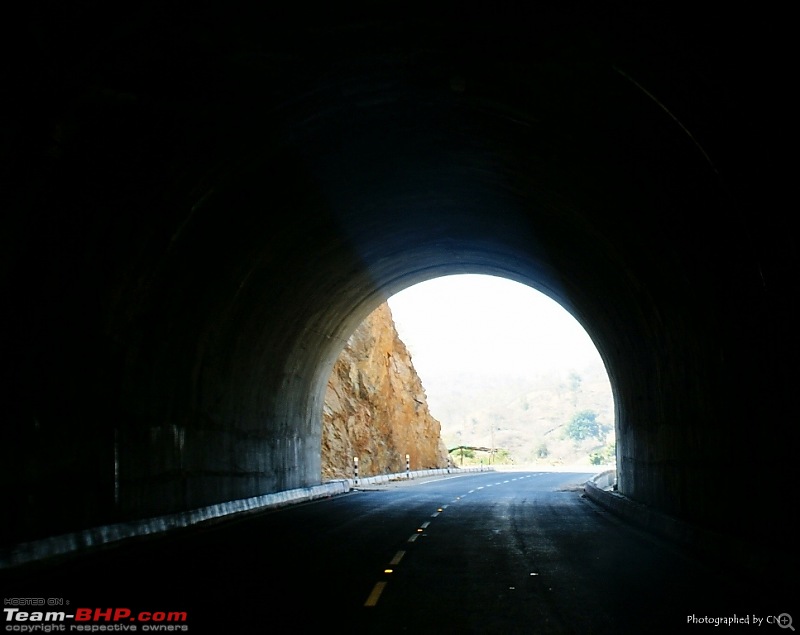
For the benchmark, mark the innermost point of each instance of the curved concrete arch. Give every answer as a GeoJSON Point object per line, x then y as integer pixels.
{"type": "Point", "coordinates": [204, 208]}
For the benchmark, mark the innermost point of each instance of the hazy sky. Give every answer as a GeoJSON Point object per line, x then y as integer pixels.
{"type": "Point", "coordinates": [489, 324]}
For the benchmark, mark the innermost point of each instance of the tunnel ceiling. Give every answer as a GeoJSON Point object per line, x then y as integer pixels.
{"type": "Point", "coordinates": [201, 206]}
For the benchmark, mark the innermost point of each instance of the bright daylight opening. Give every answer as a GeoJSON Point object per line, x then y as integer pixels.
{"type": "Point", "coordinates": [507, 369]}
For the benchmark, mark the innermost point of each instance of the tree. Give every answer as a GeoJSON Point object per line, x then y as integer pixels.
{"type": "Point", "coordinates": [584, 425]}
{"type": "Point", "coordinates": [606, 454]}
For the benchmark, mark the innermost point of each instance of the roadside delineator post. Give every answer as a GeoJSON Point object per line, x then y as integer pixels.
{"type": "Point", "coordinates": [408, 466]}
{"type": "Point", "coordinates": [355, 470]}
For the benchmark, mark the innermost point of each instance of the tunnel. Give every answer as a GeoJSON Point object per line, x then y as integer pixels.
{"type": "Point", "coordinates": [199, 208]}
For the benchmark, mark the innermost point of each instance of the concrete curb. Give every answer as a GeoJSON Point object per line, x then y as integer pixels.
{"type": "Point", "coordinates": [96, 537]}
{"type": "Point", "coordinates": [727, 551]}
{"type": "Point", "coordinates": [82, 541]}
{"type": "Point", "coordinates": [599, 489]}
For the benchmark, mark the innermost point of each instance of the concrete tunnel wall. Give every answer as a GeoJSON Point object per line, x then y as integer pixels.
{"type": "Point", "coordinates": [199, 209]}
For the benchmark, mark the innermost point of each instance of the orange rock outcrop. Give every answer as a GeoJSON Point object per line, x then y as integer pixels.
{"type": "Point", "coordinates": [376, 408]}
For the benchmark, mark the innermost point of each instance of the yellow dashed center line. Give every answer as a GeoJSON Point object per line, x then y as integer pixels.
{"type": "Point", "coordinates": [397, 558]}
{"type": "Point", "coordinates": [377, 590]}
{"type": "Point", "coordinates": [373, 598]}
{"type": "Point", "coordinates": [375, 595]}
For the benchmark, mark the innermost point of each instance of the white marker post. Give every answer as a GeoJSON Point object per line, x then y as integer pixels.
{"type": "Point", "coordinates": [355, 470]}
{"type": "Point", "coordinates": [408, 466]}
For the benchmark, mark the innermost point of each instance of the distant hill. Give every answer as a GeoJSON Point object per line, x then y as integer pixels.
{"type": "Point", "coordinates": [525, 415]}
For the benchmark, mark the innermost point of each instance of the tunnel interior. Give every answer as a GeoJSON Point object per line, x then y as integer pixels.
{"type": "Point", "coordinates": [201, 208]}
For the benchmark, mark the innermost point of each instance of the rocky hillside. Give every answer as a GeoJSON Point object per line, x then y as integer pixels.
{"type": "Point", "coordinates": [376, 408]}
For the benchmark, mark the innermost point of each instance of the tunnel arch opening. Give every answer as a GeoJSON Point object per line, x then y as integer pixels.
{"type": "Point", "coordinates": [501, 365]}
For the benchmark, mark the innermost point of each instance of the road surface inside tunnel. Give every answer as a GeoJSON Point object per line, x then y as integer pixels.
{"type": "Point", "coordinates": [491, 552]}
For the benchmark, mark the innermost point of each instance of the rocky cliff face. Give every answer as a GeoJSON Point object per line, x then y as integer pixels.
{"type": "Point", "coordinates": [376, 408]}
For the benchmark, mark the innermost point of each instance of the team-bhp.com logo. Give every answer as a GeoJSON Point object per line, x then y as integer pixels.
{"type": "Point", "coordinates": [94, 620]}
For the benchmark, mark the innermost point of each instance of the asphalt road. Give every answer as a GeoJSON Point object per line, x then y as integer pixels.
{"type": "Point", "coordinates": [490, 553]}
